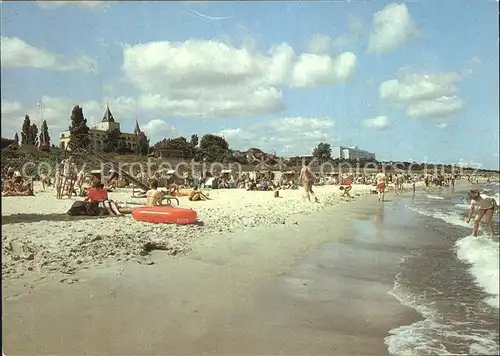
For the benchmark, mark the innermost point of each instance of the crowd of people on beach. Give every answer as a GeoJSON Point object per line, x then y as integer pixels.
{"type": "Point", "coordinates": [14, 184]}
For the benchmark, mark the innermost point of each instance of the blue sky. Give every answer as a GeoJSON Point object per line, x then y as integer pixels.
{"type": "Point", "coordinates": [416, 80]}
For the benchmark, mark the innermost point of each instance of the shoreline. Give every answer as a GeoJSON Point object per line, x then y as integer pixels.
{"type": "Point", "coordinates": [232, 292]}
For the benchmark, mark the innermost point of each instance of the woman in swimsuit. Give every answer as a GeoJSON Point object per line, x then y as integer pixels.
{"type": "Point", "coordinates": [486, 206]}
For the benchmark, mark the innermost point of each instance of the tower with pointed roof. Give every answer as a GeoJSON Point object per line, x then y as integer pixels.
{"type": "Point", "coordinates": [108, 122]}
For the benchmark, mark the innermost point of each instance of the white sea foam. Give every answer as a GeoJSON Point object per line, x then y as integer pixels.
{"type": "Point", "coordinates": [435, 197]}
{"type": "Point", "coordinates": [462, 206]}
{"type": "Point", "coordinates": [450, 218]}
{"type": "Point", "coordinates": [425, 337]}
{"type": "Point", "coordinates": [482, 254]}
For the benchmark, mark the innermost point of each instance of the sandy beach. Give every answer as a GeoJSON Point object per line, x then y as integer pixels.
{"type": "Point", "coordinates": [272, 287]}
{"type": "Point", "coordinates": [40, 238]}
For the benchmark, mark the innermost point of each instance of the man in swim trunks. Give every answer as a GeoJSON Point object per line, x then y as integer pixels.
{"type": "Point", "coordinates": [196, 195]}
{"type": "Point", "coordinates": [306, 177]}
{"type": "Point", "coordinates": [380, 181]}
{"type": "Point", "coordinates": [486, 206]}
{"type": "Point", "coordinates": [154, 196]}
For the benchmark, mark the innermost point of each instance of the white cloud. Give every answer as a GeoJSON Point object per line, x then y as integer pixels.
{"type": "Point", "coordinates": [92, 5]}
{"type": "Point", "coordinates": [377, 123]}
{"type": "Point", "coordinates": [474, 60]}
{"type": "Point", "coordinates": [425, 96]}
{"type": "Point", "coordinates": [157, 128]}
{"type": "Point", "coordinates": [18, 54]}
{"type": "Point", "coordinates": [300, 134]}
{"type": "Point", "coordinates": [320, 44]}
{"type": "Point", "coordinates": [323, 44]}
{"type": "Point", "coordinates": [355, 26]}
{"type": "Point", "coordinates": [312, 70]}
{"type": "Point", "coordinates": [392, 27]}
{"type": "Point", "coordinates": [442, 107]}
{"type": "Point", "coordinates": [213, 79]}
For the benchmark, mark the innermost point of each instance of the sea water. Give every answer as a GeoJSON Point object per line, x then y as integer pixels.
{"type": "Point", "coordinates": [451, 279]}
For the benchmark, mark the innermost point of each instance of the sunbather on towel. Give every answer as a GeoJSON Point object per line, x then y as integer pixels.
{"type": "Point", "coordinates": [197, 195]}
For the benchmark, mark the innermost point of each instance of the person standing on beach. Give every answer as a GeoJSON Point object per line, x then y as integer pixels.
{"type": "Point", "coordinates": [381, 181]}
{"type": "Point", "coordinates": [486, 206]}
{"type": "Point", "coordinates": [307, 179]}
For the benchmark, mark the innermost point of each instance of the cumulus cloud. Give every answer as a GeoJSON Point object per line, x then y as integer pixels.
{"type": "Point", "coordinates": [301, 134]}
{"type": "Point", "coordinates": [320, 44]}
{"type": "Point", "coordinates": [18, 54]}
{"type": "Point", "coordinates": [377, 123]}
{"type": "Point", "coordinates": [91, 5]}
{"type": "Point", "coordinates": [213, 79]}
{"type": "Point", "coordinates": [323, 44]}
{"type": "Point", "coordinates": [392, 27]}
{"type": "Point", "coordinates": [157, 128]}
{"type": "Point", "coordinates": [425, 95]}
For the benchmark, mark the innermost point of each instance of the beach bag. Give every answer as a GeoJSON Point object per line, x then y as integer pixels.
{"type": "Point", "coordinates": [93, 209]}
{"type": "Point", "coordinates": [78, 208]}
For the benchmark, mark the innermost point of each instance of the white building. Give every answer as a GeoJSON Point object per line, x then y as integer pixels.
{"type": "Point", "coordinates": [353, 153]}
{"type": "Point", "coordinates": [99, 133]}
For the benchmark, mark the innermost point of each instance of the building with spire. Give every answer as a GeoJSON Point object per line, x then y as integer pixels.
{"type": "Point", "coordinates": [99, 134]}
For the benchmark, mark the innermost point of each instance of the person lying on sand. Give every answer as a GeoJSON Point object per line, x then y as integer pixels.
{"type": "Point", "coordinates": [173, 190]}
{"type": "Point", "coordinates": [486, 206]}
{"type": "Point", "coordinates": [154, 196]}
{"type": "Point", "coordinates": [16, 188]}
{"type": "Point", "coordinates": [197, 195]}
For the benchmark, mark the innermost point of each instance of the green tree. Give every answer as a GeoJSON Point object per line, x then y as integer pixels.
{"type": "Point", "coordinates": [25, 130]}
{"type": "Point", "coordinates": [179, 144]}
{"type": "Point", "coordinates": [143, 146]}
{"type": "Point", "coordinates": [79, 131]}
{"type": "Point", "coordinates": [194, 140]}
{"type": "Point", "coordinates": [33, 135]}
{"type": "Point", "coordinates": [214, 148]}
{"type": "Point", "coordinates": [16, 139]}
{"type": "Point", "coordinates": [44, 137]}
{"type": "Point", "coordinates": [113, 141]}
{"type": "Point", "coordinates": [322, 151]}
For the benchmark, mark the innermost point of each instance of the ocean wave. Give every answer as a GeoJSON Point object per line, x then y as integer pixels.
{"type": "Point", "coordinates": [463, 206]}
{"type": "Point", "coordinates": [450, 218]}
{"type": "Point", "coordinates": [424, 337]}
{"type": "Point", "coordinates": [481, 252]}
{"type": "Point", "coordinates": [435, 197]}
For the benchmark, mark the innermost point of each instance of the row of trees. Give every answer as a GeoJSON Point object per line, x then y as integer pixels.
{"type": "Point", "coordinates": [210, 148]}
{"type": "Point", "coordinates": [30, 136]}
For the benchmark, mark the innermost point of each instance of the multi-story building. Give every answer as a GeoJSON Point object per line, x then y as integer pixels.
{"type": "Point", "coordinates": [352, 153]}
{"type": "Point", "coordinates": [99, 133]}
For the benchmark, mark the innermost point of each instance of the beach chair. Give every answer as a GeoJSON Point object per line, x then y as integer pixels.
{"type": "Point", "coordinates": [169, 198]}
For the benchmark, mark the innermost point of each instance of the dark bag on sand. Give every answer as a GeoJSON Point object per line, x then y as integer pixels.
{"type": "Point", "coordinates": [80, 208]}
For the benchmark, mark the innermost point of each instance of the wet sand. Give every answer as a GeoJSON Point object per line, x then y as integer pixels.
{"type": "Point", "coordinates": [318, 287]}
